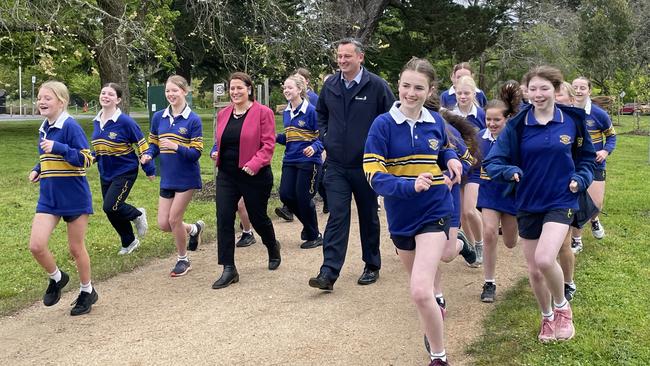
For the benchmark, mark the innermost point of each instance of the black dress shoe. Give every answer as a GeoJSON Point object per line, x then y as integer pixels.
{"type": "Point", "coordinates": [368, 276]}
{"type": "Point", "coordinates": [321, 282]}
{"type": "Point", "coordinates": [284, 213]}
{"type": "Point", "coordinates": [274, 256]}
{"type": "Point", "coordinates": [228, 277]}
{"type": "Point", "coordinates": [310, 244]}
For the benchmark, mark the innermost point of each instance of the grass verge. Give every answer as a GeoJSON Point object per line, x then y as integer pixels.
{"type": "Point", "coordinates": [22, 281]}
{"type": "Point", "coordinates": [612, 306]}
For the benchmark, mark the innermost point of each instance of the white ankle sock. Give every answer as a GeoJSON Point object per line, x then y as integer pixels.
{"type": "Point", "coordinates": [87, 287]}
{"type": "Point", "coordinates": [56, 275]}
{"type": "Point", "coordinates": [562, 305]}
{"type": "Point", "coordinates": [492, 280]}
{"type": "Point", "coordinates": [550, 316]}
{"type": "Point", "coordinates": [577, 239]}
{"type": "Point", "coordinates": [193, 229]}
{"type": "Point", "coordinates": [571, 284]}
{"type": "Point", "coordinates": [442, 356]}
{"type": "Point", "coordinates": [247, 231]}
{"type": "Point", "coordinates": [478, 242]}
{"type": "Point", "coordinates": [183, 258]}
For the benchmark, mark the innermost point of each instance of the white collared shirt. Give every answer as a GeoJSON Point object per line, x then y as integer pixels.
{"type": "Point", "coordinates": [487, 135]}
{"type": "Point", "coordinates": [303, 108]}
{"type": "Point", "coordinates": [113, 118]}
{"type": "Point", "coordinates": [472, 112]}
{"type": "Point", "coordinates": [57, 124]}
{"type": "Point", "coordinates": [588, 106]}
{"type": "Point", "coordinates": [356, 79]}
{"type": "Point", "coordinates": [400, 118]}
{"type": "Point", "coordinates": [167, 113]}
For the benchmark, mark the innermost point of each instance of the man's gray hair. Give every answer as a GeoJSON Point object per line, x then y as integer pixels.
{"type": "Point", "coordinates": [358, 46]}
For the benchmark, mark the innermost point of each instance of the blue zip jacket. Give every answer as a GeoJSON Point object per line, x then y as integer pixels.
{"type": "Point", "coordinates": [345, 116]}
{"type": "Point", "coordinates": [504, 160]}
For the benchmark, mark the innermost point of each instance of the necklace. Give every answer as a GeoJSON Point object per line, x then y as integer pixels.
{"type": "Point", "coordinates": [239, 115]}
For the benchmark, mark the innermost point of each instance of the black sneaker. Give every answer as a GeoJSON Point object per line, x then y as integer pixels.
{"type": "Point", "coordinates": [442, 304]}
{"type": "Point", "coordinates": [84, 303]}
{"type": "Point", "coordinates": [53, 292]}
{"type": "Point", "coordinates": [569, 291]}
{"type": "Point", "coordinates": [246, 240]}
{"type": "Point", "coordinates": [489, 292]}
{"type": "Point", "coordinates": [468, 252]}
{"type": "Point", "coordinates": [284, 213]}
{"type": "Point", "coordinates": [576, 246]}
{"type": "Point", "coordinates": [310, 244]}
{"type": "Point", "coordinates": [195, 240]}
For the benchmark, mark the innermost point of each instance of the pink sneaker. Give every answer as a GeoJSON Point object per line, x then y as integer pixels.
{"type": "Point", "coordinates": [564, 329]}
{"type": "Point", "coordinates": [547, 333]}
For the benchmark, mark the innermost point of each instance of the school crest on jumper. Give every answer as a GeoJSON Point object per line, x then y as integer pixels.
{"type": "Point", "coordinates": [591, 123]}
{"type": "Point", "coordinates": [565, 139]}
{"type": "Point", "coordinates": [301, 123]}
{"type": "Point", "coordinates": [434, 144]}
{"type": "Point", "coordinates": [112, 135]}
{"type": "Point", "coordinates": [182, 130]}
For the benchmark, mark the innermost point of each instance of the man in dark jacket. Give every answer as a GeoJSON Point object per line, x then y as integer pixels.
{"type": "Point", "coordinates": [348, 104]}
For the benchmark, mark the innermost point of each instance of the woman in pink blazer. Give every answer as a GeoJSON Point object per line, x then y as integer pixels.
{"type": "Point", "coordinates": [243, 148]}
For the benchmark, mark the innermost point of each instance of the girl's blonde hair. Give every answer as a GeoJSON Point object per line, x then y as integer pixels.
{"type": "Point", "coordinates": [179, 81]}
{"type": "Point", "coordinates": [60, 91]}
{"type": "Point", "coordinates": [300, 84]}
{"type": "Point", "coordinates": [569, 89]}
{"type": "Point", "coordinates": [466, 80]}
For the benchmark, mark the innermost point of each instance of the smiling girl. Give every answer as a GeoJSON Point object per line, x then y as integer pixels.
{"type": "Point", "coordinates": [496, 210]}
{"type": "Point", "coordinates": [113, 140]}
{"type": "Point", "coordinates": [406, 152]}
{"type": "Point", "coordinates": [302, 160]}
{"type": "Point", "coordinates": [546, 155]}
{"type": "Point", "coordinates": [64, 193]}
{"type": "Point", "coordinates": [177, 136]}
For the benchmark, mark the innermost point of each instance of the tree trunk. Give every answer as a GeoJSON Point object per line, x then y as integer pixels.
{"type": "Point", "coordinates": [111, 53]}
{"type": "Point", "coordinates": [359, 18]}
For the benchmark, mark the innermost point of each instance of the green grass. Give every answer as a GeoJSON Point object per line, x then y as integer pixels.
{"type": "Point", "coordinates": [612, 306]}
{"type": "Point", "coordinates": [22, 281]}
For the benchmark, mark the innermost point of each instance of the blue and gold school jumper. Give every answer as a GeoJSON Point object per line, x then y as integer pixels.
{"type": "Point", "coordinates": [397, 151]}
{"type": "Point", "coordinates": [448, 98]}
{"type": "Point", "coordinates": [113, 144]}
{"type": "Point", "coordinates": [64, 189]}
{"type": "Point", "coordinates": [180, 169]}
{"type": "Point", "coordinates": [476, 117]}
{"type": "Point", "coordinates": [299, 182]}
{"type": "Point", "coordinates": [600, 128]}
{"type": "Point", "coordinates": [457, 143]}
{"type": "Point", "coordinates": [490, 193]}
{"type": "Point", "coordinates": [546, 157]}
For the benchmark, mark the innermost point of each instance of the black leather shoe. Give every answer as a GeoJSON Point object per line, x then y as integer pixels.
{"type": "Point", "coordinates": [228, 277]}
{"type": "Point", "coordinates": [310, 244]}
{"type": "Point", "coordinates": [368, 276]}
{"type": "Point", "coordinates": [274, 256]}
{"type": "Point", "coordinates": [321, 282]}
{"type": "Point", "coordinates": [284, 213]}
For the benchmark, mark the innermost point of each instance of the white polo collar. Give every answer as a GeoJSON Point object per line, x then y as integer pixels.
{"type": "Point", "coordinates": [400, 118]}
{"type": "Point", "coordinates": [472, 112]}
{"type": "Point", "coordinates": [588, 106]}
{"type": "Point", "coordinates": [186, 112]}
{"type": "Point", "coordinates": [58, 123]}
{"type": "Point", "coordinates": [113, 118]}
{"type": "Point", "coordinates": [487, 135]}
{"type": "Point", "coordinates": [303, 108]}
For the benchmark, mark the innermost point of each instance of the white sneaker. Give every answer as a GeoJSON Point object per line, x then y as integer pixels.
{"type": "Point", "coordinates": [130, 248]}
{"type": "Point", "coordinates": [141, 224]}
{"type": "Point", "coordinates": [597, 229]}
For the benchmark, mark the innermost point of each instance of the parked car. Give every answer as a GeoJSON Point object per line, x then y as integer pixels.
{"type": "Point", "coordinates": [628, 108]}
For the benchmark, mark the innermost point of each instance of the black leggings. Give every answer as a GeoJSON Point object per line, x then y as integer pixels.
{"type": "Point", "coordinates": [120, 213]}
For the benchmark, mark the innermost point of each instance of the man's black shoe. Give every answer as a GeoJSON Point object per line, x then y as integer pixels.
{"type": "Point", "coordinates": [284, 213]}
{"type": "Point", "coordinates": [321, 282]}
{"type": "Point", "coordinates": [53, 292]}
{"type": "Point", "coordinates": [368, 276]}
{"type": "Point", "coordinates": [310, 244]}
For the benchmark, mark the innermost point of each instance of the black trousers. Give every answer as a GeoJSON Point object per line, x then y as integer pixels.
{"type": "Point", "coordinates": [341, 184]}
{"type": "Point", "coordinates": [120, 213]}
{"type": "Point", "coordinates": [321, 184]}
{"type": "Point", "coordinates": [256, 191]}
{"type": "Point", "coordinates": [298, 187]}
